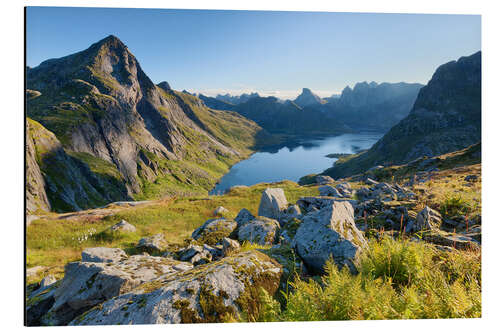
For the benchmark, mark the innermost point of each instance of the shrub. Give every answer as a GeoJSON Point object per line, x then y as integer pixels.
{"type": "Point", "coordinates": [398, 279]}
{"type": "Point", "coordinates": [455, 205]}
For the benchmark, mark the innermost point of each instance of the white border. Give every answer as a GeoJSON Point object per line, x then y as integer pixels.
{"type": "Point", "coordinates": [11, 193]}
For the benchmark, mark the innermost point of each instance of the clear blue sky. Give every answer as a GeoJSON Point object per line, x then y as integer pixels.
{"type": "Point", "coordinates": [269, 52]}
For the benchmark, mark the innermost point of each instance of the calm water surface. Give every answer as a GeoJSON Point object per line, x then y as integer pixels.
{"type": "Point", "coordinates": [293, 160]}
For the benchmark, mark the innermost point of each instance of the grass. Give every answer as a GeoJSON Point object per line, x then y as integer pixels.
{"type": "Point", "coordinates": [398, 279]}
{"type": "Point", "coordinates": [52, 242]}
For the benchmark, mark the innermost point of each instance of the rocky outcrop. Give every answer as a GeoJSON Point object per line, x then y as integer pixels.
{"type": "Point", "coordinates": [272, 203]}
{"type": "Point", "coordinates": [330, 232]}
{"type": "Point", "coordinates": [103, 254]}
{"type": "Point", "coordinates": [86, 284]}
{"type": "Point", "coordinates": [308, 98]}
{"type": "Point", "coordinates": [152, 244]}
{"type": "Point", "coordinates": [446, 117]}
{"type": "Point", "coordinates": [214, 230]}
{"type": "Point", "coordinates": [261, 230]}
{"type": "Point", "coordinates": [123, 226]}
{"type": "Point", "coordinates": [209, 293]}
{"type": "Point", "coordinates": [427, 219]}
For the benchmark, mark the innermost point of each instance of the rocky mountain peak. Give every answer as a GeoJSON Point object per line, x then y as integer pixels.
{"type": "Point", "coordinates": [164, 85]}
{"type": "Point", "coordinates": [307, 97]}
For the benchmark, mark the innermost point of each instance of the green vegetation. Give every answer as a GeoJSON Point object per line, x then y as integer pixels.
{"type": "Point", "coordinates": [57, 239]}
{"type": "Point", "coordinates": [398, 279]}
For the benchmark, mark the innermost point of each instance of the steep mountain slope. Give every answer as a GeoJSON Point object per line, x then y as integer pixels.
{"type": "Point", "coordinates": [308, 98]}
{"type": "Point", "coordinates": [289, 118]}
{"type": "Point", "coordinates": [103, 109]}
{"type": "Point", "coordinates": [445, 117]}
{"type": "Point", "coordinates": [215, 103]}
{"type": "Point", "coordinates": [375, 106]}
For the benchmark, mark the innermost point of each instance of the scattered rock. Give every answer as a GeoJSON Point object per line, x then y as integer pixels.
{"type": "Point", "coordinates": [103, 254]}
{"type": "Point", "coordinates": [47, 281]}
{"type": "Point", "coordinates": [229, 246]}
{"type": "Point", "coordinates": [261, 230]}
{"type": "Point", "coordinates": [152, 244]}
{"type": "Point", "coordinates": [272, 203]}
{"type": "Point", "coordinates": [427, 219]}
{"type": "Point", "coordinates": [329, 191]}
{"type": "Point", "coordinates": [196, 254]}
{"type": "Point", "coordinates": [471, 178]}
{"type": "Point", "coordinates": [370, 181]}
{"type": "Point", "coordinates": [214, 230]}
{"type": "Point", "coordinates": [328, 232]}
{"type": "Point", "coordinates": [86, 284]}
{"type": "Point", "coordinates": [206, 293]}
{"type": "Point", "coordinates": [220, 211]}
{"type": "Point", "coordinates": [244, 216]}
{"type": "Point", "coordinates": [457, 241]}
{"type": "Point", "coordinates": [323, 180]}
{"type": "Point", "coordinates": [30, 272]}
{"type": "Point", "coordinates": [123, 226]}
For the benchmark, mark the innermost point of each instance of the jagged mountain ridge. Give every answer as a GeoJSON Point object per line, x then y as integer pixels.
{"type": "Point", "coordinates": [100, 103]}
{"type": "Point", "coordinates": [446, 117]}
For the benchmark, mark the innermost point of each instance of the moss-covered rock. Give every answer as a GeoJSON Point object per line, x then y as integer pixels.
{"type": "Point", "coordinates": [221, 291]}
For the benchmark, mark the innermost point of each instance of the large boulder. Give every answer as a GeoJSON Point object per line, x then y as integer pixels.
{"type": "Point", "coordinates": [291, 213]}
{"type": "Point", "coordinates": [86, 284]}
{"type": "Point", "coordinates": [261, 230]}
{"type": "Point", "coordinates": [329, 191]}
{"type": "Point", "coordinates": [323, 180]}
{"type": "Point", "coordinates": [312, 204]}
{"type": "Point", "coordinates": [103, 254]}
{"type": "Point", "coordinates": [214, 230]}
{"type": "Point", "coordinates": [197, 254]}
{"type": "Point", "coordinates": [220, 211]}
{"type": "Point", "coordinates": [215, 292]}
{"type": "Point", "coordinates": [244, 216]}
{"type": "Point", "coordinates": [272, 203]}
{"type": "Point", "coordinates": [152, 244]}
{"type": "Point", "coordinates": [330, 232]}
{"type": "Point", "coordinates": [427, 219]}
{"type": "Point", "coordinates": [122, 226]}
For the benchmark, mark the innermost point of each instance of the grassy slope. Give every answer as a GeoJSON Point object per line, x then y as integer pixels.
{"type": "Point", "coordinates": [53, 242]}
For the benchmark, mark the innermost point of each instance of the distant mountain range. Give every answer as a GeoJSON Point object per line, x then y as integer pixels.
{"type": "Point", "coordinates": [369, 106]}
{"type": "Point", "coordinates": [445, 117]}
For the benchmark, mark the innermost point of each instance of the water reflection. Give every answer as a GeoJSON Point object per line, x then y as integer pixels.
{"type": "Point", "coordinates": [293, 160]}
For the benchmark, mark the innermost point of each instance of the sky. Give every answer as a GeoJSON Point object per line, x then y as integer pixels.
{"type": "Point", "coordinates": [273, 53]}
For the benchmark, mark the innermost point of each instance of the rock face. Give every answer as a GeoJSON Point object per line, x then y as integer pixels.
{"type": "Point", "coordinates": [155, 243]}
{"type": "Point", "coordinates": [308, 98]}
{"type": "Point", "coordinates": [243, 217]}
{"type": "Point", "coordinates": [123, 226]}
{"type": "Point", "coordinates": [330, 231]}
{"type": "Point", "coordinates": [213, 231]}
{"type": "Point", "coordinates": [427, 219]}
{"type": "Point", "coordinates": [103, 254]}
{"type": "Point", "coordinates": [121, 131]}
{"type": "Point", "coordinates": [261, 230]}
{"type": "Point", "coordinates": [272, 203]}
{"type": "Point", "coordinates": [86, 284]}
{"type": "Point", "coordinates": [446, 117]}
{"type": "Point", "coordinates": [220, 211]}
{"type": "Point", "coordinates": [207, 293]}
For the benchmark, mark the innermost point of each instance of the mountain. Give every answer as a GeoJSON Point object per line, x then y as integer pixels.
{"type": "Point", "coordinates": [374, 106]}
{"type": "Point", "coordinates": [103, 120]}
{"type": "Point", "coordinates": [308, 98]}
{"type": "Point", "coordinates": [288, 118]}
{"type": "Point", "coordinates": [236, 99]}
{"type": "Point", "coordinates": [445, 117]}
{"type": "Point", "coordinates": [215, 103]}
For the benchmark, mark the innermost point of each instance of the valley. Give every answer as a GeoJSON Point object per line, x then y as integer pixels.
{"type": "Point", "coordinates": [149, 205]}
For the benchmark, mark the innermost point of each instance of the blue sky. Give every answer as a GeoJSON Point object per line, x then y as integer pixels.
{"type": "Point", "coordinates": [274, 53]}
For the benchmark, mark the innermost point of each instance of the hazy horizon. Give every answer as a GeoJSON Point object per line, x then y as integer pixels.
{"type": "Point", "coordinates": [270, 52]}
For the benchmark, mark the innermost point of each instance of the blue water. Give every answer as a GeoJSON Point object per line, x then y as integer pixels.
{"type": "Point", "coordinates": [293, 160]}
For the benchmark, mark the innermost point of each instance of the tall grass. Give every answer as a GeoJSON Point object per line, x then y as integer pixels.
{"type": "Point", "coordinates": [398, 279]}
